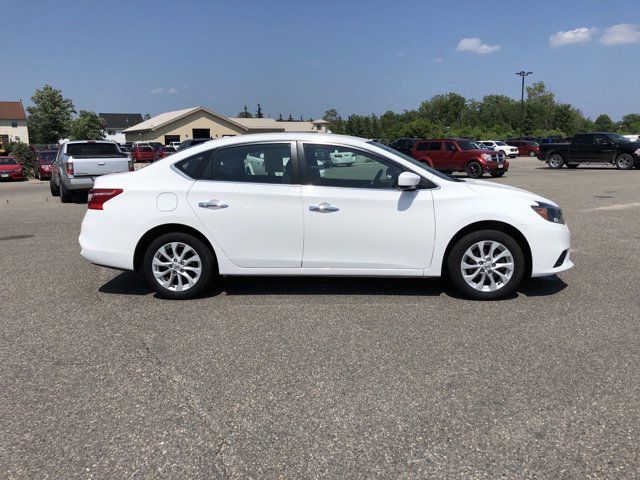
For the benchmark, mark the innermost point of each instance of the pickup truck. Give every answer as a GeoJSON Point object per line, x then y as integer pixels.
{"type": "Point", "coordinates": [597, 147]}
{"type": "Point", "coordinates": [78, 163]}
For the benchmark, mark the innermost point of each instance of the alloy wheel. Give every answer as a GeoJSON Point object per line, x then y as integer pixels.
{"type": "Point", "coordinates": [624, 162]}
{"type": "Point", "coordinates": [176, 266]}
{"type": "Point", "coordinates": [487, 266]}
{"type": "Point", "coordinates": [555, 161]}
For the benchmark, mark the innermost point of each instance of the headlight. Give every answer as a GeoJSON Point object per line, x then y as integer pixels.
{"type": "Point", "coordinates": [487, 157]}
{"type": "Point", "coordinates": [549, 212]}
{"type": "Point", "coordinates": [637, 152]}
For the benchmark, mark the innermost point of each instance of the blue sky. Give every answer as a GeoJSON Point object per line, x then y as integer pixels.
{"type": "Point", "coordinates": [304, 57]}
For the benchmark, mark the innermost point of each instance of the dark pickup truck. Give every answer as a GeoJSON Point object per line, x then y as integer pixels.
{"type": "Point", "coordinates": [595, 147]}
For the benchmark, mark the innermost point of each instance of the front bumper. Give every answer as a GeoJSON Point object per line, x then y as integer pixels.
{"type": "Point", "coordinates": [496, 166]}
{"type": "Point", "coordinates": [550, 249]}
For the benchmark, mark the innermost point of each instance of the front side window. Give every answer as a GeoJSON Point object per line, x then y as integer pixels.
{"type": "Point", "coordinates": [450, 147]}
{"type": "Point", "coordinates": [336, 166]}
{"type": "Point", "coordinates": [434, 146]}
{"type": "Point", "coordinates": [255, 163]}
{"type": "Point", "coordinates": [582, 139]}
{"type": "Point", "coordinates": [601, 140]}
{"type": "Point", "coordinates": [422, 146]}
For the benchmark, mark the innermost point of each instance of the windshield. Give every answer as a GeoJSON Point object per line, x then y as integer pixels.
{"type": "Point", "coordinates": [8, 161]}
{"type": "Point", "coordinates": [502, 144]}
{"type": "Point", "coordinates": [619, 138]}
{"type": "Point", "coordinates": [48, 156]}
{"type": "Point", "coordinates": [481, 146]}
{"type": "Point", "coordinates": [468, 145]}
{"type": "Point", "coordinates": [423, 166]}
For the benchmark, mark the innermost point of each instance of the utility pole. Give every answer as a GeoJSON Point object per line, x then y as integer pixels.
{"type": "Point", "coordinates": [522, 74]}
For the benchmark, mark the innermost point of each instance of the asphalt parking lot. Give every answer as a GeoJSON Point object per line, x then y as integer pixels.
{"type": "Point", "coordinates": [306, 378]}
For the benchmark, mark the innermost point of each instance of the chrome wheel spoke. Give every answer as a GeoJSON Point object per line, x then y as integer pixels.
{"type": "Point", "coordinates": [487, 266]}
{"type": "Point", "coordinates": [176, 266]}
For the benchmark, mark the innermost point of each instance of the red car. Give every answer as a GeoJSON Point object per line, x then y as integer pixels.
{"type": "Point", "coordinates": [42, 163]}
{"type": "Point", "coordinates": [526, 147]}
{"type": "Point", "coordinates": [10, 169]}
{"type": "Point", "coordinates": [460, 155]}
{"type": "Point", "coordinates": [143, 154]}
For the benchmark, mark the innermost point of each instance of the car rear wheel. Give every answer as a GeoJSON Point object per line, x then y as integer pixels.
{"type": "Point", "coordinates": [624, 162]}
{"type": "Point", "coordinates": [474, 169]}
{"type": "Point", "coordinates": [555, 161]}
{"type": "Point", "coordinates": [55, 191]}
{"type": "Point", "coordinates": [486, 265]}
{"type": "Point", "coordinates": [532, 154]}
{"type": "Point", "coordinates": [65, 194]}
{"type": "Point", "coordinates": [178, 266]}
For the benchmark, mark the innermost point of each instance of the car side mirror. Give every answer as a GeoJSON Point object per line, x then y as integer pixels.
{"type": "Point", "coordinates": [408, 181]}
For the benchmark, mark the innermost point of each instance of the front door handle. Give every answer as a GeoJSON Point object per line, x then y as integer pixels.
{"type": "Point", "coordinates": [324, 207]}
{"type": "Point", "coordinates": [213, 204]}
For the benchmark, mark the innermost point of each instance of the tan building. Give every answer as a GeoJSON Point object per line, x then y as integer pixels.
{"type": "Point", "coordinates": [200, 122]}
{"type": "Point", "coordinates": [13, 123]}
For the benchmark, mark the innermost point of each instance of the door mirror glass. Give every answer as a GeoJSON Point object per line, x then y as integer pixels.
{"type": "Point", "coordinates": [408, 180]}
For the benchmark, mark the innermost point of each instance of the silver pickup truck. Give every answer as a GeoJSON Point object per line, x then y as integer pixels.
{"type": "Point", "coordinates": [79, 163]}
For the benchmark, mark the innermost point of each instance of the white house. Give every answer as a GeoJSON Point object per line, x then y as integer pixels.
{"type": "Point", "coordinates": [116, 123]}
{"type": "Point", "coordinates": [13, 123]}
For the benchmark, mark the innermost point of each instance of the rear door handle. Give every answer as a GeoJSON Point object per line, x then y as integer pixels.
{"type": "Point", "coordinates": [213, 204]}
{"type": "Point", "coordinates": [324, 207]}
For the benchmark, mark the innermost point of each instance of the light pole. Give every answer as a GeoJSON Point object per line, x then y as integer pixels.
{"type": "Point", "coordinates": [522, 74]}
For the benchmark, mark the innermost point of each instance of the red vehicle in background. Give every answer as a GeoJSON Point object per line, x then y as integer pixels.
{"type": "Point", "coordinates": [460, 155]}
{"type": "Point", "coordinates": [525, 147]}
{"type": "Point", "coordinates": [143, 153]}
{"type": "Point", "coordinates": [10, 169]}
{"type": "Point", "coordinates": [42, 163]}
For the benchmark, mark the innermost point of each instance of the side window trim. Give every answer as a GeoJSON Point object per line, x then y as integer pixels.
{"type": "Point", "coordinates": [295, 172]}
{"type": "Point", "coordinates": [304, 177]}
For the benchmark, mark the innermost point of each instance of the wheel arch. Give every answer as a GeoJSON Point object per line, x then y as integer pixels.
{"type": "Point", "coordinates": [517, 235]}
{"type": "Point", "coordinates": [155, 232]}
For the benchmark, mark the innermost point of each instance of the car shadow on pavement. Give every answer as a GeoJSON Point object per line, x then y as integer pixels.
{"type": "Point", "coordinates": [129, 283]}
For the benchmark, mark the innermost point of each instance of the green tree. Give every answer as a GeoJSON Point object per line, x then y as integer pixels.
{"type": "Point", "coordinates": [259, 112]}
{"type": "Point", "coordinates": [23, 154]}
{"type": "Point", "coordinates": [146, 117]}
{"type": "Point", "coordinates": [630, 124]}
{"type": "Point", "coordinates": [245, 113]}
{"type": "Point", "coordinates": [331, 115]}
{"type": "Point", "coordinates": [604, 123]}
{"type": "Point", "coordinates": [88, 126]}
{"type": "Point", "coordinates": [49, 116]}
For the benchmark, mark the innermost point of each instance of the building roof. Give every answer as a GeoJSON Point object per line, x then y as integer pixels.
{"type": "Point", "coordinates": [164, 118]}
{"type": "Point", "coordinates": [320, 121]}
{"type": "Point", "coordinates": [12, 111]}
{"type": "Point", "coordinates": [277, 126]}
{"type": "Point", "coordinates": [256, 123]}
{"type": "Point", "coordinates": [121, 120]}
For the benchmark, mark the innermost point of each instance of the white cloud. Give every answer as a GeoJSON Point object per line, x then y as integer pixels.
{"type": "Point", "coordinates": [475, 45]}
{"type": "Point", "coordinates": [621, 34]}
{"type": "Point", "coordinates": [160, 90]}
{"type": "Point", "coordinates": [577, 35]}
{"type": "Point", "coordinates": [439, 60]}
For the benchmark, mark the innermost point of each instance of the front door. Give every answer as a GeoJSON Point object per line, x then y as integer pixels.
{"type": "Point", "coordinates": [602, 149]}
{"type": "Point", "coordinates": [248, 201]}
{"type": "Point", "coordinates": [448, 161]}
{"type": "Point", "coordinates": [355, 217]}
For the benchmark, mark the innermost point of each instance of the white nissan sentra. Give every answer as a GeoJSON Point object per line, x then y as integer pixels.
{"type": "Point", "coordinates": [276, 204]}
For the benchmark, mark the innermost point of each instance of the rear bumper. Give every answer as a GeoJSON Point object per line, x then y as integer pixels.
{"type": "Point", "coordinates": [78, 183]}
{"type": "Point", "coordinates": [100, 246]}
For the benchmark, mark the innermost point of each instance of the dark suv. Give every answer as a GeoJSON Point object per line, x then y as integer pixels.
{"type": "Point", "coordinates": [403, 144]}
{"type": "Point", "coordinates": [460, 155]}
{"type": "Point", "coordinates": [597, 147]}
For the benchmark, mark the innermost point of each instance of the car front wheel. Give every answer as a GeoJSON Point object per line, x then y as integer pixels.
{"type": "Point", "coordinates": [555, 161]}
{"type": "Point", "coordinates": [624, 162]}
{"type": "Point", "coordinates": [178, 266]}
{"type": "Point", "coordinates": [486, 265]}
{"type": "Point", "coordinates": [474, 170]}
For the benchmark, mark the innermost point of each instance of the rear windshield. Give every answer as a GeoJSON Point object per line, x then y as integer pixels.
{"type": "Point", "coordinates": [8, 161]}
{"type": "Point", "coordinates": [93, 149]}
{"type": "Point", "coordinates": [145, 149]}
{"type": "Point", "coordinates": [48, 156]}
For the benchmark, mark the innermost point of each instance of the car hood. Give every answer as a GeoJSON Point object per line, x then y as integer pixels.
{"type": "Point", "coordinates": [484, 187]}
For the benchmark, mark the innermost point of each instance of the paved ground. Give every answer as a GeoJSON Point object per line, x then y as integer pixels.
{"type": "Point", "coordinates": [322, 378]}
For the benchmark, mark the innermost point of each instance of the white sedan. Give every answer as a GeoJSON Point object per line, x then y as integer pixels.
{"type": "Point", "coordinates": [264, 205]}
{"type": "Point", "coordinates": [498, 146]}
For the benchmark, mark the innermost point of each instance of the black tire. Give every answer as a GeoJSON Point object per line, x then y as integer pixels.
{"type": "Point", "coordinates": [555, 161]}
{"type": "Point", "coordinates": [572, 165]}
{"type": "Point", "coordinates": [498, 173]}
{"type": "Point", "coordinates": [454, 264]}
{"type": "Point", "coordinates": [65, 195]}
{"type": "Point", "coordinates": [624, 161]}
{"type": "Point", "coordinates": [474, 169]}
{"type": "Point", "coordinates": [209, 267]}
{"type": "Point", "coordinates": [532, 154]}
{"type": "Point", "coordinates": [55, 191]}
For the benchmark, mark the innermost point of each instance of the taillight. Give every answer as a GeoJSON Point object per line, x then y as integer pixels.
{"type": "Point", "coordinates": [69, 168]}
{"type": "Point", "coordinates": [131, 165]}
{"type": "Point", "coordinates": [98, 197]}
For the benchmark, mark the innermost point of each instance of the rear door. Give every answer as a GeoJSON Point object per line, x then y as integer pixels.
{"type": "Point", "coordinates": [580, 148]}
{"type": "Point", "coordinates": [603, 149]}
{"type": "Point", "coordinates": [357, 218]}
{"type": "Point", "coordinates": [249, 199]}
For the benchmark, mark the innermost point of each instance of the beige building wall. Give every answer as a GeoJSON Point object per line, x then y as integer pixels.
{"type": "Point", "coordinates": [19, 133]}
{"type": "Point", "coordinates": [184, 127]}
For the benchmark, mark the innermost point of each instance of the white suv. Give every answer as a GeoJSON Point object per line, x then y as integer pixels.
{"type": "Point", "coordinates": [508, 150]}
{"type": "Point", "coordinates": [269, 204]}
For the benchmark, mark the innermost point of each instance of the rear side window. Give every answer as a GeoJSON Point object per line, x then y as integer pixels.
{"type": "Point", "coordinates": [582, 139]}
{"type": "Point", "coordinates": [422, 146]}
{"type": "Point", "coordinates": [435, 146]}
{"type": "Point", "coordinates": [93, 149]}
{"type": "Point", "coordinates": [193, 165]}
{"type": "Point", "coordinates": [256, 163]}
